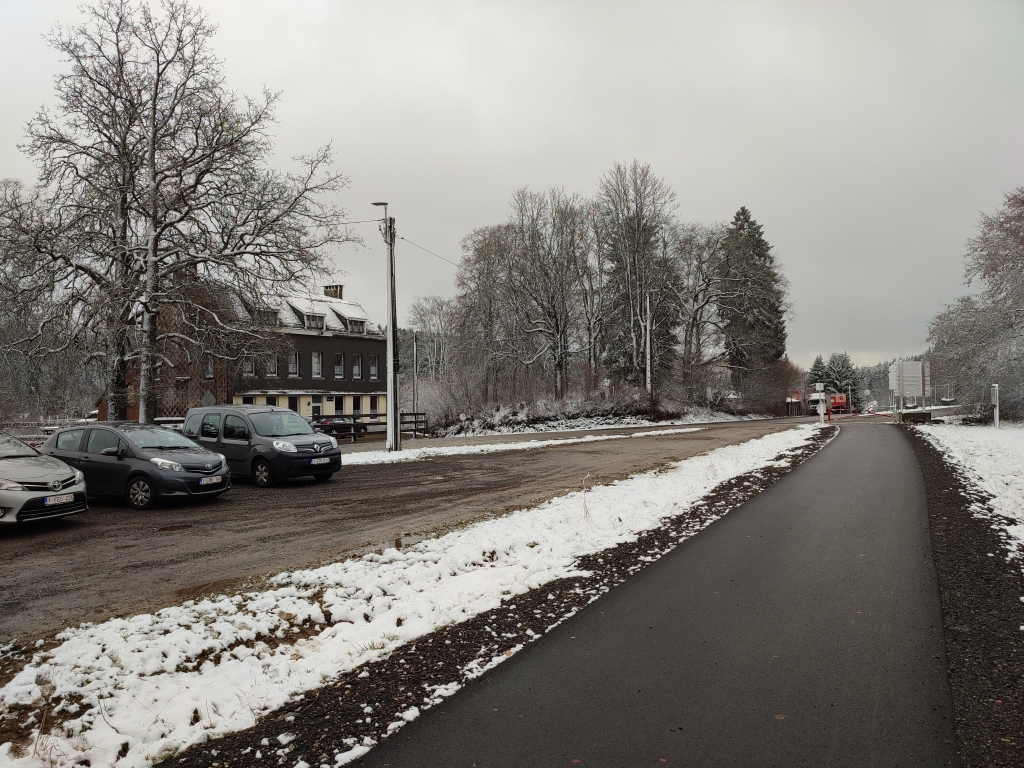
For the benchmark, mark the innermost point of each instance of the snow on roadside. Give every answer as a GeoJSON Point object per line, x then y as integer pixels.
{"type": "Point", "coordinates": [134, 690]}
{"type": "Point", "coordinates": [479, 426]}
{"type": "Point", "coordinates": [416, 454]}
{"type": "Point", "coordinates": [992, 459]}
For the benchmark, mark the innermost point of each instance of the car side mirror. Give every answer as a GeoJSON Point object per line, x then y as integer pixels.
{"type": "Point", "coordinates": [109, 451]}
{"type": "Point", "coordinates": [122, 453]}
{"type": "Point", "coordinates": [242, 434]}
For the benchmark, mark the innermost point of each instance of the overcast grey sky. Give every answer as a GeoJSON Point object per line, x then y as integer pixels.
{"type": "Point", "coordinates": [866, 137]}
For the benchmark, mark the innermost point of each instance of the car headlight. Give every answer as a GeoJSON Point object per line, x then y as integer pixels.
{"type": "Point", "coordinates": [169, 466]}
{"type": "Point", "coordinates": [223, 459]}
{"type": "Point", "coordinates": [79, 477]}
{"type": "Point", "coordinates": [284, 445]}
{"type": "Point", "coordinates": [334, 443]}
{"type": "Point", "coordinates": [10, 485]}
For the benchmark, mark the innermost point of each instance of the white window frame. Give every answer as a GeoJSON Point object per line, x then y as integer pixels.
{"type": "Point", "coordinates": [315, 322]}
{"type": "Point", "coordinates": [374, 367]}
{"type": "Point", "coordinates": [248, 367]}
{"type": "Point", "coordinates": [339, 374]}
{"type": "Point", "coordinates": [317, 367]}
{"type": "Point", "coordinates": [357, 366]}
{"type": "Point", "coordinates": [294, 363]}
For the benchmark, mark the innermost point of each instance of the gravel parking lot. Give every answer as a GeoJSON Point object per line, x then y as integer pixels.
{"type": "Point", "coordinates": [115, 561]}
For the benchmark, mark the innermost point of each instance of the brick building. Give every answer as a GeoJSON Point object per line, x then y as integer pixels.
{"type": "Point", "coordinates": [330, 360]}
{"type": "Point", "coordinates": [334, 363]}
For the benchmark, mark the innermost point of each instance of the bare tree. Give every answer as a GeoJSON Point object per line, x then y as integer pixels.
{"type": "Point", "coordinates": [155, 201]}
{"type": "Point", "coordinates": [635, 214]}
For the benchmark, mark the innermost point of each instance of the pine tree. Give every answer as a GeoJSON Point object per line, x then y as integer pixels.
{"type": "Point", "coordinates": [841, 377]}
{"type": "Point", "coordinates": [754, 313]}
{"type": "Point", "coordinates": [818, 373]}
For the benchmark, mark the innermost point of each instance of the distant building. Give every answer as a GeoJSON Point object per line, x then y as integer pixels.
{"type": "Point", "coordinates": [330, 360]}
{"type": "Point", "coordinates": [334, 364]}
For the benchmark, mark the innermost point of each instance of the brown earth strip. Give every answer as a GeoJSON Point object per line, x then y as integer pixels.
{"type": "Point", "coordinates": [113, 561]}
{"type": "Point", "coordinates": [982, 614]}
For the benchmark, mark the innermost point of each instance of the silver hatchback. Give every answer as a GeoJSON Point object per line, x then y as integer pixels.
{"type": "Point", "coordinates": [36, 487]}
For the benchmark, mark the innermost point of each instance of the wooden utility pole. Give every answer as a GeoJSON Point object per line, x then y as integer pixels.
{"type": "Point", "coordinates": [415, 377]}
{"type": "Point", "coordinates": [394, 429]}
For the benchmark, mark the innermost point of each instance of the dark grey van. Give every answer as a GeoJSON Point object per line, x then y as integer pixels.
{"type": "Point", "coordinates": [266, 442]}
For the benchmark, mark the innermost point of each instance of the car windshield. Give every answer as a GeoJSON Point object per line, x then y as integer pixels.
{"type": "Point", "coordinates": [157, 437]}
{"type": "Point", "coordinates": [279, 424]}
{"type": "Point", "coordinates": [12, 448]}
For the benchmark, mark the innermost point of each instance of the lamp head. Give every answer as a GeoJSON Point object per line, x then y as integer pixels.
{"type": "Point", "coordinates": [378, 203]}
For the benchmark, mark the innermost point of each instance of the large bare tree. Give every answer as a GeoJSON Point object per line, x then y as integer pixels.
{"type": "Point", "coordinates": [156, 217]}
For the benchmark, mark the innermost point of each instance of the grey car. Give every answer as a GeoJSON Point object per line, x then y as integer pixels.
{"type": "Point", "coordinates": [266, 442]}
{"type": "Point", "coordinates": [36, 487]}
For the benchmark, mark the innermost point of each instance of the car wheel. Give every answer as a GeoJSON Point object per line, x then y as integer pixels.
{"type": "Point", "coordinates": [262, 474]}
{"type": "Point", "coordinates": [139, 493]}
{"type": "Point", "coordinates": [322, 477]}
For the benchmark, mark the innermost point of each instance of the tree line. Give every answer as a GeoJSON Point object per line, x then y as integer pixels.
{"type": "Point", "coordinates": [575, 296]}
{"type": "Point", "coordinates": [979, 340]}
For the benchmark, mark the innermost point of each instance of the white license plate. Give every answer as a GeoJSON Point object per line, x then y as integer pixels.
{"type": "Point", "coordinates": [323, 460]}
{"type": "Point", "coordinates": [215, 480]}
{"type": "Point", "coordinates": [67, 498]}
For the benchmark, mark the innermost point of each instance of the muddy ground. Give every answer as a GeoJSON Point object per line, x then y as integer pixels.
{"type": "Point", "coordinates": [115, 561]}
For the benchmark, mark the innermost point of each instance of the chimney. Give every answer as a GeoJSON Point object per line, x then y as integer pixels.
{"type": "Point", "coordinates": [334, 291]}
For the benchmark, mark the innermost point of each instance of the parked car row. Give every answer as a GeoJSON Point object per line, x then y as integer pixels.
{"type": "Point", "coordinates": [143, 463]}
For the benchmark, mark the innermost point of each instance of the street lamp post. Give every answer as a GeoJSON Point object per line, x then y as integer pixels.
{"type": "Point", "coordinates": [394, 429]}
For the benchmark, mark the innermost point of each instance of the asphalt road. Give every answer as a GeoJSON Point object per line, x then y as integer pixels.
{"type": "Point", "coordinates": [116, 561]}
{"type": "Point", "coordinates": [802, 629]}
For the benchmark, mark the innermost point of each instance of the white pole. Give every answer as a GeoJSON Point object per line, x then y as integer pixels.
{"type": "Point", "coordinates": [995, 401]}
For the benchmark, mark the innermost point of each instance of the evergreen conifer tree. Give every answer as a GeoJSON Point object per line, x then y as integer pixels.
{"type": "Point", "coordinates": [818, 373]}
{"type": "Point", "coordinates": [754, 313]}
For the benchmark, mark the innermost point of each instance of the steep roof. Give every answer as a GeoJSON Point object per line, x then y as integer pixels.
{"type": "Point", "coordinates": [336, 312]}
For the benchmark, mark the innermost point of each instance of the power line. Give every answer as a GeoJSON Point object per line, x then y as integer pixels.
{"type": "Point", "coordinates": [364, 221]}
{"type": "Point", "coordinates": [442, 258]}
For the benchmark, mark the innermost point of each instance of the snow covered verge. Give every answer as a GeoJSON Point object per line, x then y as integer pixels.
{"type": "Point", "coordinates": [514, 422]}
{"type": "Point", "coordinates": [133, 691]}
{"type": "Point", "coordinates": [992, 459]}
{"type": "Point", "coordinates": [416, 454]}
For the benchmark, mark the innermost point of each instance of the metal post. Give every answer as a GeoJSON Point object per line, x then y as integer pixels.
{"type": "Point", "coordinates": [648, 337]}
{"type": "Point", "coordinates": [394, 429]}
{"type": "Point", "coordinates": [995, 402]}
{"type": "Point", "coordinates": [415, 383]}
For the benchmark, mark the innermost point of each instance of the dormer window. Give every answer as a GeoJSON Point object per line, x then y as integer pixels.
{"type": "Point", "coordinates": [357, 326]}
{"type": "Point", "coordinates": [315, 322]}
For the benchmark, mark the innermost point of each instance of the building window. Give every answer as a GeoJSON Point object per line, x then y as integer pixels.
{"type": "Point", "coordinates": [271, 399]}
{"type": "Point", "coordinates": [339, 366]}
{"type": "Point", "coordinates": [272, 366]}
{"type": "Point", "coordinates": [248, 400]}
{"type": "Point", "coordinates": [317, 404]}
{"type": "Point", "coordinates": [357, 326]}
{"type": "Point", "coordinates": [293, 403]}
{"type": "Point", "coordinates": [373, 404]}
{"type": "Point", "coordinates": [207, 366]}
{"type": "Point", "coordinates": [373, 367]}
{"type": "Point", "coordinates": [315, 322]}
{"type": "Point", "coordinates": [293, 363]}
{"type": "Point", "coordinates": [357, 405]}
{"type": "Point", "coordinates": [357, 366]}
{"type": "Point", "coordinates": [248, 367]}
{"type": "Point", "coordinates": [318, 365]}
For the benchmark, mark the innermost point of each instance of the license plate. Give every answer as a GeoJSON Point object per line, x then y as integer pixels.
{"type": "Point", "coordinates": [215, 480]}
{"type": "Point", "coordinates": [67, 498]}
{"type": "Point", "coordinates": [322, 460]}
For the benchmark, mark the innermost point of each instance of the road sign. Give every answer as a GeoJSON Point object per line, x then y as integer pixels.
{"type": "Point", "coordinates": [910, 378]}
